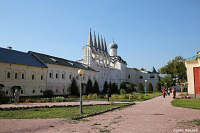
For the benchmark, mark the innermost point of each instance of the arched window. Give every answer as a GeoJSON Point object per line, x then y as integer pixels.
{"type": "Point", "coordinates": [152, 76]}
{"type": "Point", "coordinates": [8, 75]}
{"type": "Point", "coordinates": [129, 76]}
{"type": "Point", "coordinates": [50, 75]}
{"type": "Point", "coordinates": [141, 77]}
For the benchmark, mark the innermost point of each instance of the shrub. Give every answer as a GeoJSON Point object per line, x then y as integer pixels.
{"type": "Point", "coordinates": [74, 88]}
{"type": "Point", "coordinates": [101, 96]}
{"type": "Point", "coordinates": [158, 87]}
{"type": "Point", "coordinates": [114, 96]}
{"type": "Point", "coordinates": [131, 97]}
{"type": "Point", "coordinates": [131, 87]}
{"type": "Point", "coordinates": [89, 88]}
{"type": "Point", "coordinates": [122, 91]}
{"type": "Point", "coordinates": [96, 87]}
{"type": "Point", "coordinates": [58, 99]}
{"type": "Point", "coordinates": [114, 88]}
{"type": "Point", "coordinates": [140, 96]}
{"type": "Point", "coordinates": [140, 88]}
{"type": "Point", "coordinates": [46, 100]}
{"type": "Point", "coordinates": [105, 88]}
{"type": "Point", "coordinates": [84, 97]}
{"type": "Point", "coordinates": [48, 93]}
{"type": "Point", "coordinates": [150, 88]}
{"type": "Point", "coordinates": [29, 101]}
{"type": "Point", "coordinates": [94, 96]}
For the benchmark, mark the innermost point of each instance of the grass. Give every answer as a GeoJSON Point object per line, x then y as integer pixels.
{"type": "Point", "coordinates": [187, 103]}
{"type": "Point", "coordinates": [60, 112]}
{"type": "Point", "coordinates": [151, 95]}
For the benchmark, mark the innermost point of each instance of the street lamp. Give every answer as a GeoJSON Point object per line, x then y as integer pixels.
{"type": "Point", "coordinates": [80, 73]}
{"type": "Point", "coordinates": [145, 87]}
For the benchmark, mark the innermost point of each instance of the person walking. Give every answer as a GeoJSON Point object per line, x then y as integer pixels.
{"type": "Point", "coordinates": [174, 93]}
{"type": "Point", "coordinates": [168, 91]}
{"type": "Point", "coordinates": [163, 92]}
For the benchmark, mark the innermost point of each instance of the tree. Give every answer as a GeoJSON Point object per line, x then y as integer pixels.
{"type": "Point", "coordinates": [131, 87]}
{"type": "Point", "coordinates": [142, 69]}
{"type": "Point", "coordinates": [114, 88]}
{"type": "Point", "coordinates": [150, 88]}
{"type": "Point", "coordinates": [176, 68]}
{"type": "Point", "coordinates": [105, 88]}
{"type": "Point", "coordinates": [123, 86]}
{"type": "Point", "coordinates": [89, 88]}
{"type": "Point", "coordinates": [167, 80]}
{"type": "Point", "coordinates": [73, 88]}
{"type": "Point", "coordinates": [96, 87]}
{"type": "Point", "coordinates": [158, 87]}
{"type": "Point", "coordinates": [48, 93]}
{"type": "Point", "coordinates": [140, 88]}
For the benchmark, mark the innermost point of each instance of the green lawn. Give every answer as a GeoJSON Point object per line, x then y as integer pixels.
{"type": "Point", "coordinates": [151, 95]}
{"type": "Point", "coordinates": [62, 112]}
{"type": "Point", "coordinates": [187, 103]}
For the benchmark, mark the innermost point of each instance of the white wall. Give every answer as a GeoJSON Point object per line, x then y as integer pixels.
{"type": "Point", "coordinates": [27, 84]}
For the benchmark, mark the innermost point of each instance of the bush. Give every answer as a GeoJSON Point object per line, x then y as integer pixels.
{"type": "Point", "coordinates": [122, 91]}
{"type": "Point", "coordinates": [29, 101]}
{"type": "Point", "coordinates": [89, 88]}
{"type": "Point", "coordinates": [158, 87]}
{"type": "Point", "coordinates": [105, 88]}
{"type": "Point", "coordinates": [58, 99]}
{"type": "Point", "coordinates": [150, 88]}
{"type": "Point", "coordinates": [74, 88]}
{"type": "Point", "coordinates": [140, 88]}
{"type": "Point", "coordinates": [48, 93]}
{"type": "Point", "coordinates": [4, 100]}
{"type": "Point", "coordinates": [96, 87]}
{"type": "Point", "coordinates": [140, 96]}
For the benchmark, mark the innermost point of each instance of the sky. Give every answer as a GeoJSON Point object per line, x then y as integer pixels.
{"type": "Point", "coordinates": [148, 32]}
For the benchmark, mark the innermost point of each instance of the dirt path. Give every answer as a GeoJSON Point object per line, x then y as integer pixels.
{"type": "Point", "coordinates": [153, 116]}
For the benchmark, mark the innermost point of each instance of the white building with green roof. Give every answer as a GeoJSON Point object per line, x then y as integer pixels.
{"type": "Point", "coordinates": [193, 75]}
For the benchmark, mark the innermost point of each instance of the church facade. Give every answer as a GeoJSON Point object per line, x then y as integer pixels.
{"type": "Point", "coordinates": [38, 72]}
{"type": "Point", "coordinates": [111, 67]}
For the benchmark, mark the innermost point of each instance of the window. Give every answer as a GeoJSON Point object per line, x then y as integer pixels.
{"type": "Point", "coordinates": [63, 90]}
{"type": "Point", "coordinates": [33, 77]}
{"type": "Point", "coordinates": [50, 75]}
{"type": "Point", "coordinates": [63, 76]}
{"type": "Point", "coordinates": [41, 91]}
{"type": "Point", "coordinates": [152, 76]}
{"type": "Point", "coordinates": [129, 76]}
{"type": "Point", "coordinates": [8, 75]}
{"type": "Point", "coordinates": [70, 76]}
{"type": "Point", "coordinates": [22, 76]}
{"type": "Point", "coordinates": [6, 92]}
{"type": "Point", "coordinates": [56, 75]}
{"type": "Point", "coordinates": [56, 90]}
{"type": "Point", "coordinates": [15, 75]}
{"type": "Point", "coordinates": [22, 92]}
{"type": "Point", "coordinates": [41, 77]}
{"type": "Point", "coordinates": [141, 77]}
{"type": "Point", "coordinates": [33, 91]}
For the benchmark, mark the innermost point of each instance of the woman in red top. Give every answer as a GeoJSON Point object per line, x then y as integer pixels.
{"type": "Point", "coordinates": [163, 92]}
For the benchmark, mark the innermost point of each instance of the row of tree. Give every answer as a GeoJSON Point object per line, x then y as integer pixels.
{"type": "Point", "coordinates": [111, 88]}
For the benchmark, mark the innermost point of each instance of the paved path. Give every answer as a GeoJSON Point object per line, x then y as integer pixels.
{"type": "Point", "coordinates": [54, 104]}
{"type": "Point", "coordinates": [153, 116]}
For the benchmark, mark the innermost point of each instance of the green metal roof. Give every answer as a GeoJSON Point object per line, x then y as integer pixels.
{"type": "Point", "coordinates": [193, 58]}
{"type": "Point", "coordinates": [153, 70]}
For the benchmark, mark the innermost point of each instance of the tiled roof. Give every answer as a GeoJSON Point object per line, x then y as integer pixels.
{"type": "Point", "coordinates": [47, 59]}
{"type": "Point", "coordinates": [17, 57]}
{"type": "Point", "coordinates": [193, 58]}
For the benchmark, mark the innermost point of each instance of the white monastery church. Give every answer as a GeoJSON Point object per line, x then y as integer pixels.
{"type": "Point", "coordinates": [34, 72]}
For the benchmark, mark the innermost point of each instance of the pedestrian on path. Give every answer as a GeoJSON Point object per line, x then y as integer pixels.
{"type": "Point", "coordinates": [163, 92]}
{"type": "Point", "coordinates": [174, 93]}
{"type": "Point", "coordinates": [168, 91]}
